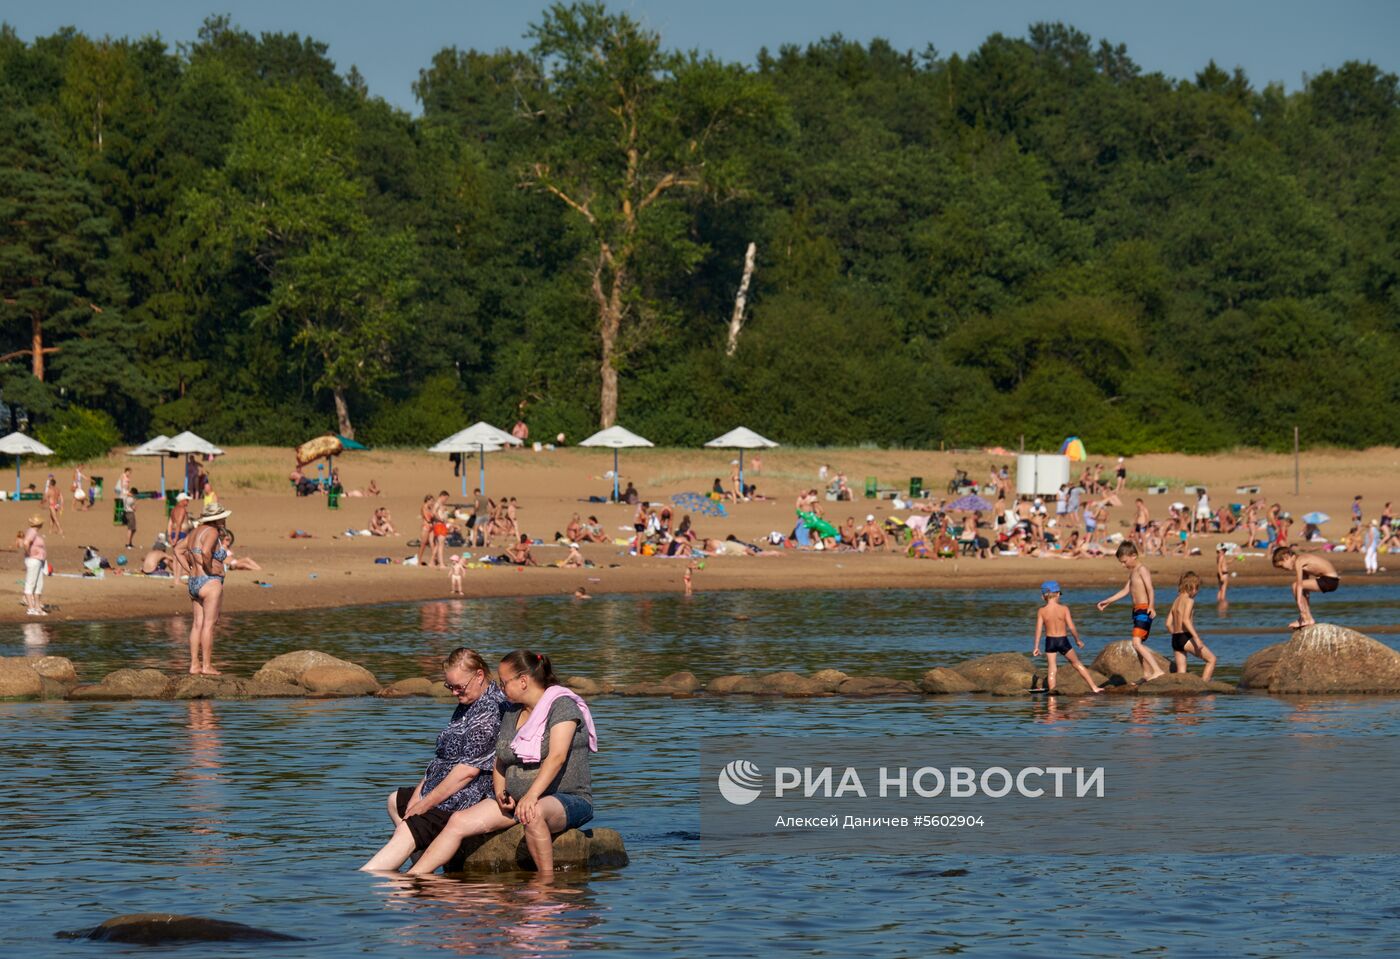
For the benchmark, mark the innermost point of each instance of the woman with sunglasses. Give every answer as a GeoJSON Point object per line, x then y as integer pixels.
{"type": "Point", "coordinates": [459, 776]}
{"type": "Point", "coordinates": [542, 777]}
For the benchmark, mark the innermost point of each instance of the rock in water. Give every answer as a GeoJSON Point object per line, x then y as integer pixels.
{"type": "Point", "coordinates": [1331, 659]}
{"type": "Point", "coordinates": [1118, 659]}
{"type": "Point", "coordinates": [158, 928]}
{"type": "Point", "coordinates": [318, 673]}
{"type": "Point", "coordinates": [19, 680]}
{"type": "Point", "coordinates": [1004, 674]}
{"type": "Point", "coordinates": [506, 851]}
{"type": "Point", "coordinates": [941, 681]}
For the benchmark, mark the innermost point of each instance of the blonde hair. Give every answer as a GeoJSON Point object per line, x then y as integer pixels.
{"type": "Point", "coordinates": [464, 657]}
{"type": "Point", "coordinates": [1189, 583]}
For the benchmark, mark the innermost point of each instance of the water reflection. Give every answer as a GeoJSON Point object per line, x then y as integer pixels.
{"type": "Point", "coordinates": [203, 778]}
{"type": "Point", "coordinates": [35, 634]}
{"type": "Point", "coordinates": [509, 915]}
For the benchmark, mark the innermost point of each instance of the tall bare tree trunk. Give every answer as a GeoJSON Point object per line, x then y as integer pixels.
{"type": "Point", "coordinates": [36, 329]}
{"type": "Point", "coordinates": [609, 324]}
{"type": "Point", "coordinates": [736, 321]}
{"type": "Point", "coordinates": [342, 414]}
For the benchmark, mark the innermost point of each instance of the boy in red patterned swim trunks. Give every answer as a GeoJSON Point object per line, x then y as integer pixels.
{"type": "Point", "coordinates": [1139, 585]}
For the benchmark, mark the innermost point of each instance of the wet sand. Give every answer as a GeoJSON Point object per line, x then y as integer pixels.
{"type": "Point", "coordinates": [331, 569]}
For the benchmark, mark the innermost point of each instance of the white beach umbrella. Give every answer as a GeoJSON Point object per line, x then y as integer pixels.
{"type": "Point", "coordinates": [17, 445]}
{"type": "Point", "coordinates": [480, 438]}
{"type": "Point", "coordinates": [616, 438]}
{"type": "Point", "coordinates": [741, 438]}
{"type": "Point", "coordinates": [182, 444]}
{"type": "Point", "coordinates": [155, 446]}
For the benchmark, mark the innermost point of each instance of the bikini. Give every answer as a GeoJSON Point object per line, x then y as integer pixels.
{"type": "Point", "coordinates": [197, 582]}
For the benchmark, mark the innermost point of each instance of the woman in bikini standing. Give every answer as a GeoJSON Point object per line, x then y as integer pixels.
{"type": "Point", "coordinates": [205, 555]}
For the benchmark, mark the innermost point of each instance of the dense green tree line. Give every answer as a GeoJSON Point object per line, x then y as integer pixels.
{"type": "Point", "coordinates": [1039, 239]}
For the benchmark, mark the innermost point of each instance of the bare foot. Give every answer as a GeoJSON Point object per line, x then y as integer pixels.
{"type": "Point", "coordinates": [194, 670]}
{"type": "Point", "coordinates": [210, 671]}
{"type": "Point", "coordinates": [1096, 690]}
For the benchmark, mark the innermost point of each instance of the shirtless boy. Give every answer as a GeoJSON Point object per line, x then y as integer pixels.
{"type": "Point", "coordinates": [1311, 574]}
{"type": "Point", "coordinates": [1181, 623]}
{"type": "Point", "coordinates": [1139, 586]}
{"type": "Point", "coordinates": [1055, 621]}
{"type": "Point", "coordinates": [1141, 517]}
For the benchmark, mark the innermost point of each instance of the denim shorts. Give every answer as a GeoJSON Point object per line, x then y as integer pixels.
{"type": "Point", "coordinates": [577, 810]}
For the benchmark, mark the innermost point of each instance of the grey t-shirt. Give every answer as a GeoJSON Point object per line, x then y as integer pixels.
{"type": "Point", "coordinates": [574, 778]}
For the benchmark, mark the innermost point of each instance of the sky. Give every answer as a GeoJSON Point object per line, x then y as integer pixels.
{"type": "Point", "coordinates": [1272, 40]}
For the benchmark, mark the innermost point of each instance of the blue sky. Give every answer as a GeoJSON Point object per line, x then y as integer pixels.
{"type": "Point", "coordinates": [1273, 40]}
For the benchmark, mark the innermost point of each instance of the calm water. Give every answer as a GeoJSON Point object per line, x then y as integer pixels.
{"type": "Point", "coordinates": [259, 811]}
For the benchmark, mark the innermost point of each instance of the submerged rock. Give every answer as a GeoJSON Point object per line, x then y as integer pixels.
{"type": "Point", "coordinates": [1183, 684]}
{"type": "Point", "coordinates": [586, 687]}
{"type": "Point", "coordinates": [736, 684]}
{"type": "Point", "coordinates": [682, 682]}
{"type": "Point", "coordinates": [942, 681]}
{"type": "Point", "coordinates": [1119, 662]}
{"type": "Point", "coordinates": [153, 929]}
{"type": "Point", "coordinates": [787, 683]}
{"type": "Point", "coordinates": [19, 679]}
{"type": "Point", "coordinates": [127, 684]}
{"type": "Point", "coordinates": [1325, 659]}
{"type": "Point", "coordinates": [318, 673]}
{"type": "Point", "coordinates": [876, 686]}
{"type": "Point", "coordinates": [416, 686]}
{"type": "Point", "coordinates": [1068, 681]}
{"type": "Point", "coordinates": [573, 849]}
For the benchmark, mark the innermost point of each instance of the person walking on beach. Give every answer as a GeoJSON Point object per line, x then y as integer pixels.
{"type": "Point", "coordinates": [1121, 474]}
{"type": "Point", "coordinates": [36, 560]}
{"type": "Point", "coordinates": [80, 492]}
{"type": "Point", "coordinates": [53, 499]}
{"type": "Point", "coordinates": [1311, 574]}
{"type": "Point", "coordinates": [205, 557]}
{"type": "Point", "coordinates": [177, 527]}
{"type": "Point", "coordinates": [1181, 623]}
{"type": "Point", "coordinates": [129, 515]}
{"type": "Point", "coordinates": [425, 535]}
{"type": "Point", "coordinates": [1057, 624]}
{"type": "Point", "coordinates": [1139, 587]}
{"type": "Point", "coordinates": [1370, 546]}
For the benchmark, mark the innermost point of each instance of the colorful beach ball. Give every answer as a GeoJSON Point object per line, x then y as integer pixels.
{"type": "Point", "coordinates": [1073, 447]}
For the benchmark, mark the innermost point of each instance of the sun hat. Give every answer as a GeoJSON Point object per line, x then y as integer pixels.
{"type": "Point", "coordinates": [870, 517]}
{"type": "Point", "coordinates": [36, 520]}
{"type": "Point", "coordinates": [212, 512]}
{"type": "Point", "coordinates": [1050, 586]}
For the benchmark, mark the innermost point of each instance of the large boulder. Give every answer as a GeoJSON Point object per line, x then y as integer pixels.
{"type": "Point", "coordinates": [942, 681]}
{"type": "Point", "coordinates": [318, 673]}
{"type": "Point", "coordinates": [1333, 659]}
{"type": "Point", "coordinates": [19, 679]}
{"type": "Point", "coordinates": [1259, 667]}
{"type": "Point", "coordinates": [573, 849]}
{"type": "Point", "coordinates": [58, 668]}
{"type": "Point", "coordinates": [153, 929]}
{"type": "Point", "coordinates": [1003, 674]}
{"type": "Point", "coordinates": [1119, 662]}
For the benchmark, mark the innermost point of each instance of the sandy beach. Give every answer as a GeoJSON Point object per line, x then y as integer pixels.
{"type": "Point", "coordinates": [331, 569]}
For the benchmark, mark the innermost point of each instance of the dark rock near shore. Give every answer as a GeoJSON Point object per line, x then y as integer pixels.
{"type": "Point", "coordinates": [573, 849]}
{"type": "Point", "coordinates": [1326, 659]}
{"type": "Point", "coordinates": [1118, 659]}
{"type": "Point", "coordinates": [319, 674]}
{"type": "Point", "coordinates": [942, 681]}
{"type": "Point", "coordinates": [154, 929]}
{"type": "Point", "coordinates": [19, 679]}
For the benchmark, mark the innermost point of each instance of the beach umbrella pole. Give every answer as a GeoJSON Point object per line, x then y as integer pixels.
{"type": "Point", "coordinates": [481, 470]}
{"type": "Point", "coordinates": [162, 476]}
{"type": "Point", "coordinates": [740, 491]}
{"type": "Point", "coordinates": [17, 479]}
{"type": "Point", "coordinates": [616, 497]}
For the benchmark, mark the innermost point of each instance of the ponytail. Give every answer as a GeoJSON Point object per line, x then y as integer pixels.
{"type": "Point", "coordinates": [535, 665]}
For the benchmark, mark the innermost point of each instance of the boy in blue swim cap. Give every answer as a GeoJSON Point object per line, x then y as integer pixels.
{"type": "Point", "coordinates": [1056, 622]}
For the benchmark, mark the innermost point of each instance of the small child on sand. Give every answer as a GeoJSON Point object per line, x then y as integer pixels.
{"type": "Point", "coordinates": [1139, 585]}
{"type": "Point", "coordinates": [1311, 574]}
{"type": "Point", "coordinates": [1181, 623]}
{"type": "Point", "coordinates": [458, 565]}
{"type": "Point", "coordinates": [1055, 621]}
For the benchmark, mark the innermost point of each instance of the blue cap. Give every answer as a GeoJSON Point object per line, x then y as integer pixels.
{"type": "Point", "coordinates": [1049, 586]}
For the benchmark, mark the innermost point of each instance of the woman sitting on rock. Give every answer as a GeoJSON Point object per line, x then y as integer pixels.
{"type": "Point", "coordinates": [459, 776]}
{"type": "Point", "coordinates": [542, 778]}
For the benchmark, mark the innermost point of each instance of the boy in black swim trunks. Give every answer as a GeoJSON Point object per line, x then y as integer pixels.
{"type": "Point", "coordinates": [1139, 586]}
{"type": "Point", "coordinates": [1056, 622]}
{"type": "Point", "coordinates": [1181, 623]}
{"type": "Point", "coordinates": [1311, 574]}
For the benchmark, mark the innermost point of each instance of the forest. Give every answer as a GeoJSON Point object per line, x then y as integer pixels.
{"type": "Point", "coordinates": [234, 235]}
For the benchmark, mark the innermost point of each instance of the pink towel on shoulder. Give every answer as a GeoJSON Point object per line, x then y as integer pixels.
{"type": "Point", "coordinates": [527, 741]}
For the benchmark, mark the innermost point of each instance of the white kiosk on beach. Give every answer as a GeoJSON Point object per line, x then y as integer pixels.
{"type": "Point", "coordinates": [1040, 474]}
